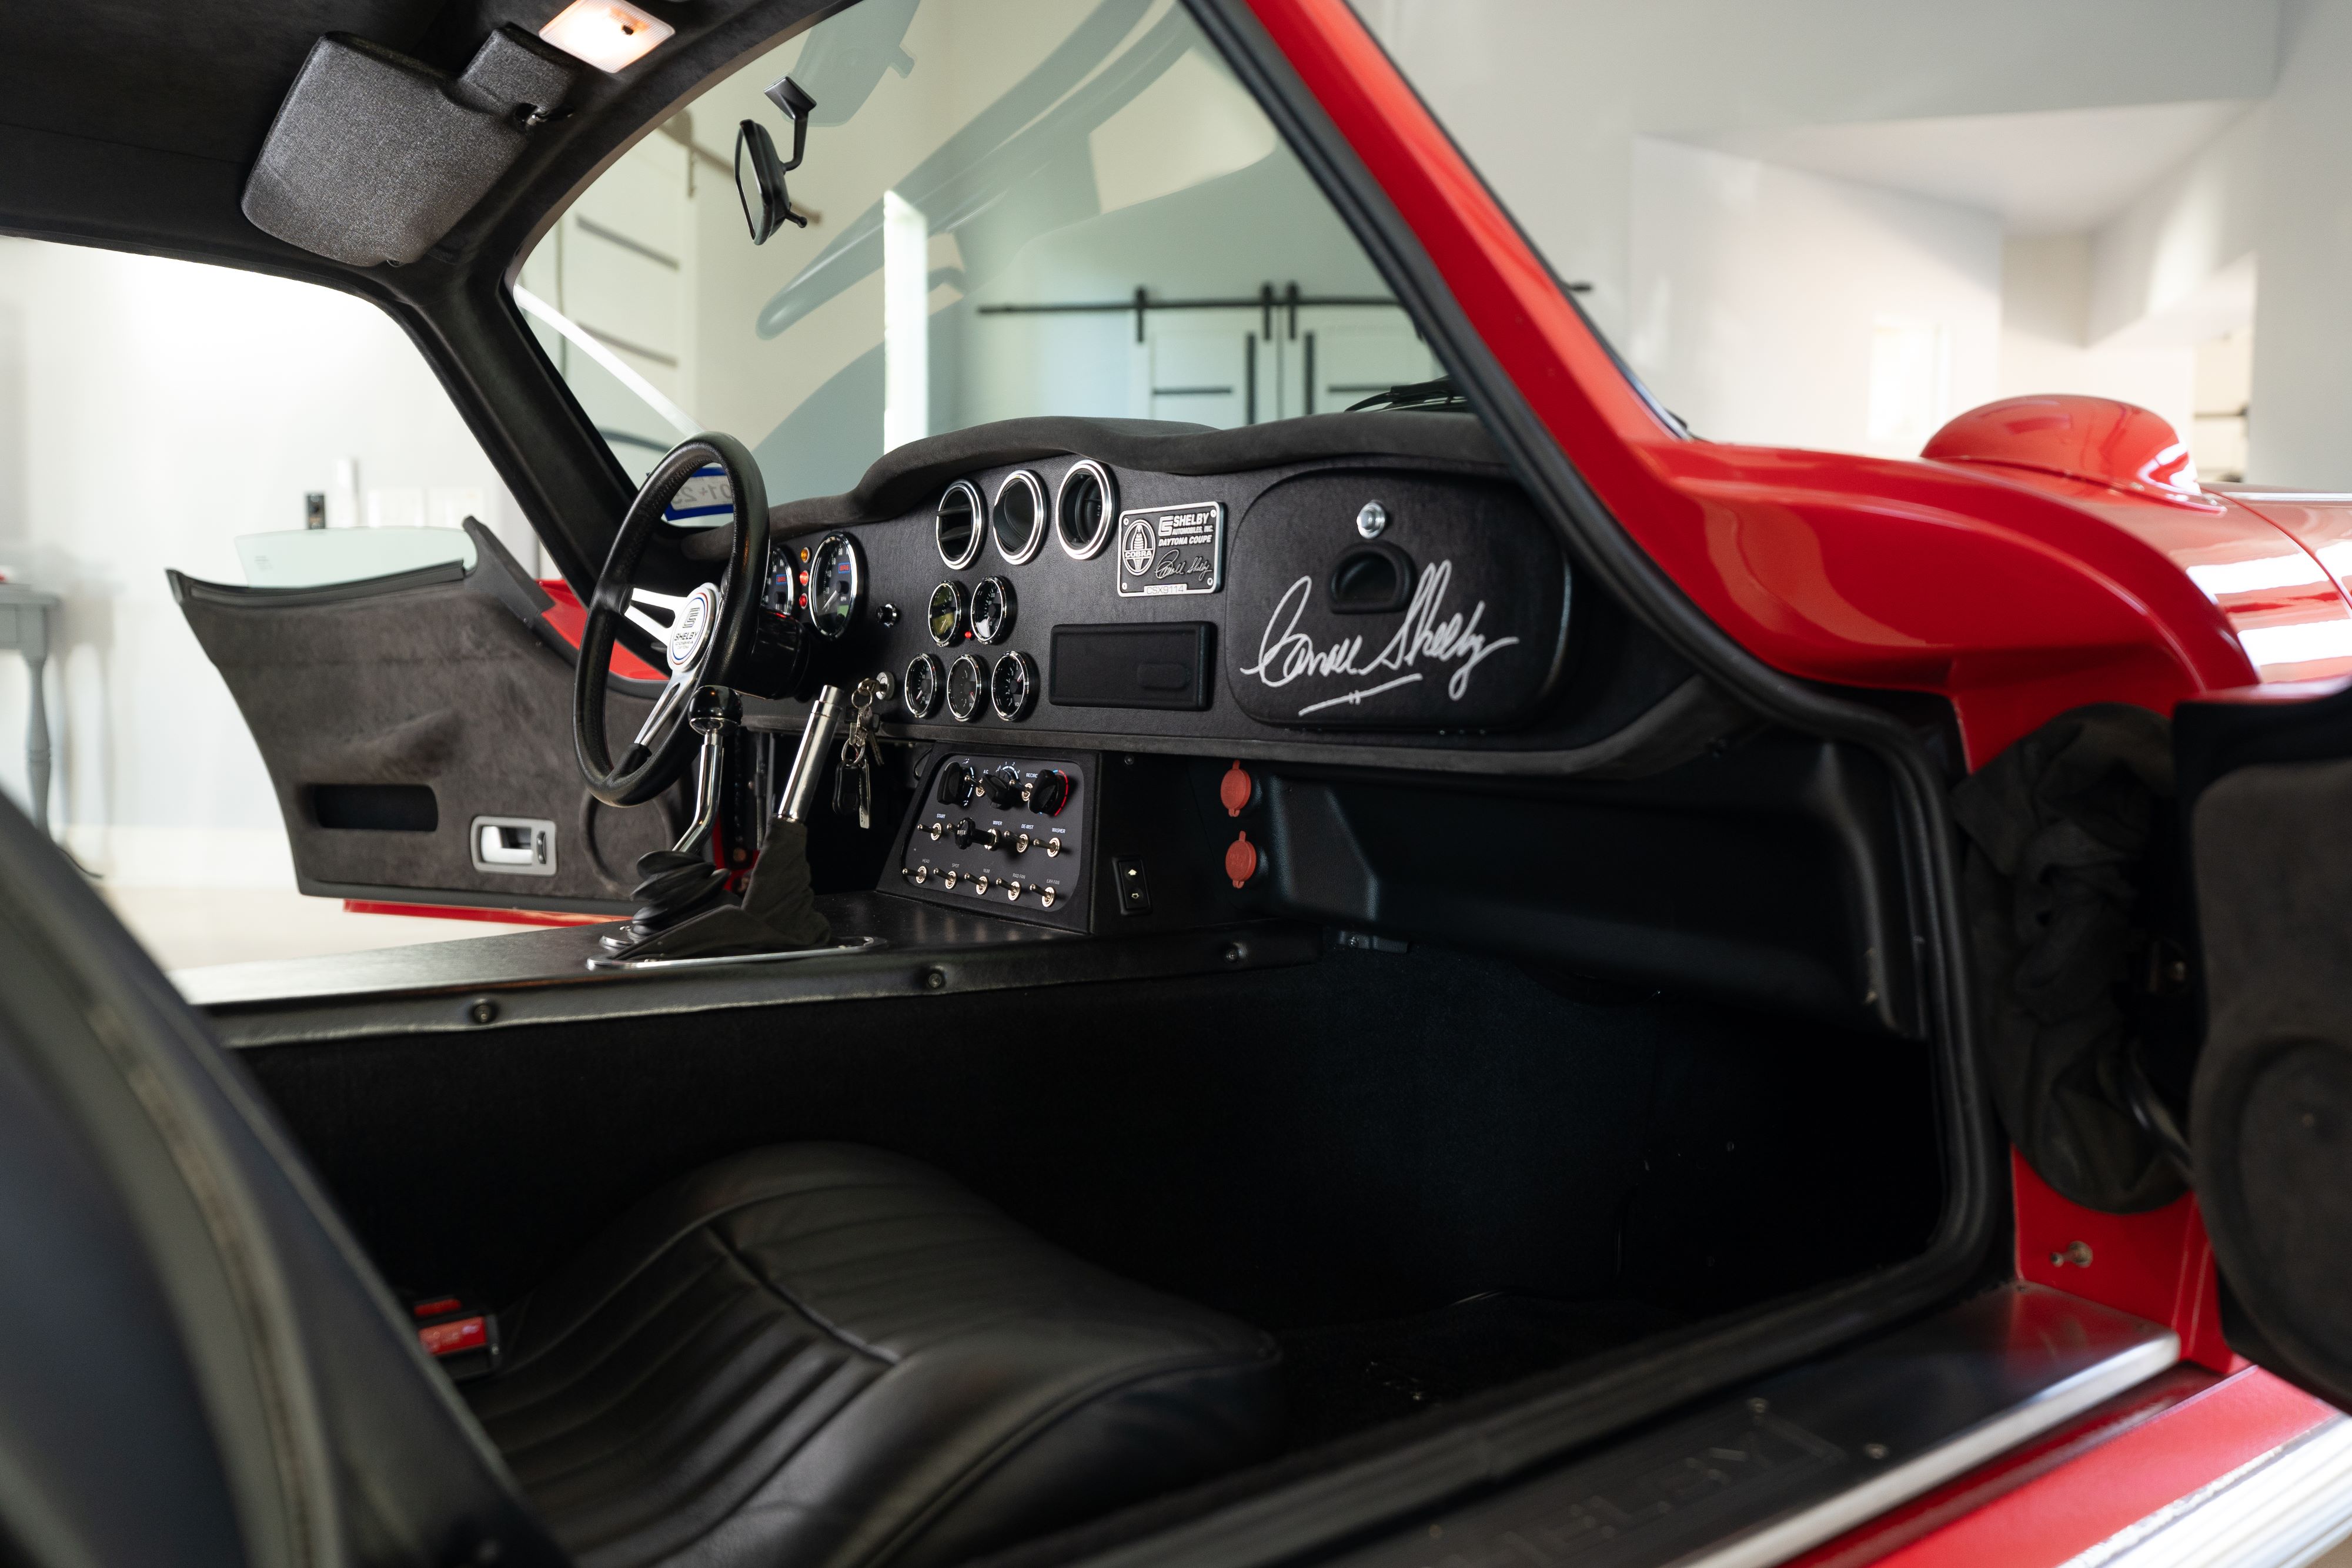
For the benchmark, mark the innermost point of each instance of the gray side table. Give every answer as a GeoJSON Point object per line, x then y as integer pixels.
{"type": "Point", "coordinates": [25, 616]}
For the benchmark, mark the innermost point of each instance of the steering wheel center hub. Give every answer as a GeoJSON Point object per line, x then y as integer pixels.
{"type": "Point", "coordinates": [695, 617]}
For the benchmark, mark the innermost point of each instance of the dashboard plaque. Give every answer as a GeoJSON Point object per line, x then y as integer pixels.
{"type": "Point", "coordinates": [1172, 549]}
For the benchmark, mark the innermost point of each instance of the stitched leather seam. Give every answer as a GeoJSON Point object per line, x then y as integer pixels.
{"type": "Point", "coordinates": [736, 1344]}
{"type": "Point", "coordinates": [540, 1353]}
{"type": "Point", "coordinates": [563, 1387]}
{"type": "Point", "coordinates": [654, 1254]}
{"type": "Point", "coordinates": [887, 1357]}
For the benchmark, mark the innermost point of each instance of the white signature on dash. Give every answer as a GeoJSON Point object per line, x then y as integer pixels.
{"type": "Point", "coordinates": [1284, 653]}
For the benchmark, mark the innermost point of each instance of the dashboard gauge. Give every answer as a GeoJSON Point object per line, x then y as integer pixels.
{"type": "Point", "coordinates": [1083, 503]}
{"type": "Point", "coordinates": [1012, 687]}
{"type": "Point", "coordinates": [967, 682]}
{"type": "Point", "coordinates": [836, 587]}
{"type": "Point", "coordinates": [956, 528]}
{"type": "Point", "coordinates": [1019, 517]}
{"type": "Point", "coordinates": [951, 612]}
{"type": "Point", "coordinates": [921, 689]}
{"type": "Point", "coordinates": [992, 609]}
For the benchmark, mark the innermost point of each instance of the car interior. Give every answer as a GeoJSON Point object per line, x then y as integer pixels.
{"type": "Point", "coordinates": [1153, 953]}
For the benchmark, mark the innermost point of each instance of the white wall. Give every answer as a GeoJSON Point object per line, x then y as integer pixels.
{"type": "Point", "coordinates": [2045, 336]}
{"type": "Point", "coordinates": [1545, 96]}
{"type": "Point", "coordinates": [2300, 432]}
{"type": "Point", "coordinates": [152, 411]}
{"type": "Point", "coordinates": [2172, 268]}
{"type": "Point", "coordinates": [1760, 293]}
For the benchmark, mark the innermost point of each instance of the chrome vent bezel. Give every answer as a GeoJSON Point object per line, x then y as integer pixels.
{"type": "Point", "coordinates": [981, 524]}
{"type": "Point", "coordinates": [1026, 481]}
{"type": "Point", "coordinates": [1085, 467]}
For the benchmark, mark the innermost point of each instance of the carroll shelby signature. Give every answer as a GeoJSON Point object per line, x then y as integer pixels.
{"type": "Point", "coordinates": [1284, 653]}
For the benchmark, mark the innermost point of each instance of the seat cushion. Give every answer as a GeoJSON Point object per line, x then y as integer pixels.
{"type": "Point", "coordinates": [822, 1354]}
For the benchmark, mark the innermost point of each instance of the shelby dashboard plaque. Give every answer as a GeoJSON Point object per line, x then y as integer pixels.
{"type": "Point", "coordinates": [1172, 549]}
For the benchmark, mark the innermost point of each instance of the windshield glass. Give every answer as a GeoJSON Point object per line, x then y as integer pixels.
{"type": "Point", "coordinates": [1014, 207]}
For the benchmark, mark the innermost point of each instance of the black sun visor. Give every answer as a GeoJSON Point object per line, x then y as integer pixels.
{"type": "Point", "coordinates": [374, 156]}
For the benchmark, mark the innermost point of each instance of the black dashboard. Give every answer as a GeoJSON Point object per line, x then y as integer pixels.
{"type": "Point", "coordinates": [1353, 586]}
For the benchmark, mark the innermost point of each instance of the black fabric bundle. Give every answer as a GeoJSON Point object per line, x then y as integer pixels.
{"type": "Point", "coordinates": [2060, 826]}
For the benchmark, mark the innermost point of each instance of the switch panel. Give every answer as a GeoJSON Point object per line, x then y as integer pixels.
{"type": "Point", "coordinates": [1002, 835]}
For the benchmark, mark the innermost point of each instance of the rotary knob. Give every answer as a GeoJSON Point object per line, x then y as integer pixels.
{"type": "Point", "coordinates": [956, 785]}
{"type": "Point", "coordinates": [962, 832]}
{"type": "Point", "coordinates": [1005, 786]}
{"type": "Point", "coordinates": [1048, 792]}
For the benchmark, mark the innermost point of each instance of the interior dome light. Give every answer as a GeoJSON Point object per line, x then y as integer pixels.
{"type": "Point", "coordinates": [608, 34]}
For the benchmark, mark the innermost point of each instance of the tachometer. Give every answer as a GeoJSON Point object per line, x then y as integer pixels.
{"type": "Point", "coordinates": [837, 589]}
{"type": "Point", "coordinates": [966, 684]}
{"type": "Point", "coordinates": [921, 690]}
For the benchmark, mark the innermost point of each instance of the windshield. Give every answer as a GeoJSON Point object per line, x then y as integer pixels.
{"type": "Point", "coordinates": [1015, 207]}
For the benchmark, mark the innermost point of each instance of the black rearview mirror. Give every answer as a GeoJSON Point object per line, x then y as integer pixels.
{"type": "Point", "coordinates": [759, 173]}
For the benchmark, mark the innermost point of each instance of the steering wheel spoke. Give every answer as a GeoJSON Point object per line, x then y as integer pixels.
{"type": "Point", "coordinates": [704, 636]}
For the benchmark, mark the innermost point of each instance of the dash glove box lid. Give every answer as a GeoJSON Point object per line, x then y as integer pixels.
{"type": "Point", "coordinates": [1451, 612]}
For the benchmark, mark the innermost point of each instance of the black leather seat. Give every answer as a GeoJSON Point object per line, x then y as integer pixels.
{"type": "Point", "coordinates": [822, 1354]}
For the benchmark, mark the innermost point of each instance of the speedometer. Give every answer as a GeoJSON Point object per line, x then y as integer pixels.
{"type": "Point", "coordinates": [967, 685]}
{"type": "Point", "coordinates": [837, 589]}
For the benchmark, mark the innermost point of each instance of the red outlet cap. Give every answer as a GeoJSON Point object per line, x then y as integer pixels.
{"type": "Point", "coordinates": [1236, 790]}
{"type": "Point", "coordinates": [1241, 860]}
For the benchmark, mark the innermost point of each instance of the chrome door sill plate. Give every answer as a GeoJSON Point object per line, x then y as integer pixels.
{"type": "Point", "coordinates": [863, 945]}
{"type": "Point", "coordinates": [1808, 1454]}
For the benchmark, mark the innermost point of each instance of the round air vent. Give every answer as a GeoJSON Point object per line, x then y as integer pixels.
{"type": "Point", "coordinates": [956, 525]}
{"type": "Point", "coordinates": [1083, 505]}
{"type": "Point", "coordinates": [1019, 518]}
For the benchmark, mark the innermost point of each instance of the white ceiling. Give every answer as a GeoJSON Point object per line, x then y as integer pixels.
{"type": "Point", "coordinates": [2054, 171]}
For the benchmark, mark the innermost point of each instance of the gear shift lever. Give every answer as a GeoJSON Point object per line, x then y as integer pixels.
{"type": "Point", "coordinates": [679, 883]}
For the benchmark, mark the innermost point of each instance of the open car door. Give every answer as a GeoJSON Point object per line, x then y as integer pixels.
{"type": "Point", "coordinates": [417, 729]}
{"type": "Point", "coordinates": [2266, 789]}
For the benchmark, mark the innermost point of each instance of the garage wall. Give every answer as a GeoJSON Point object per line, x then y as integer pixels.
{"type": "Point", "coordinates": [2224, 120]}
{"type": "Point", "coordinates": [151, 411]}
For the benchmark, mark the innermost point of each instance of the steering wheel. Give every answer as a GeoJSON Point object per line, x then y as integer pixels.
{"type": "Point", "coordinates": [707, 636]}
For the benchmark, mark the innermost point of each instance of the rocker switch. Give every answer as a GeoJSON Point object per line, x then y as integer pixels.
{"type": "Point", "coordinates": [1134, 887]}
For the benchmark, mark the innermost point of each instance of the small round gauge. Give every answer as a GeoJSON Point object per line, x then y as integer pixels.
{"type": "Point", "coordinates": [950, 613]}
{"type": "Point", "coordinates": [967, 684]}
{"type": "Point", "coordinates": [836, 586]}
{"type": "Point", "coordinates": [921, 690]}
{"type": "Point", "coordinates": [1018, 519]}
{"type": "Point", "coordinates": [992, 609]}
{"type": "Point", "coordinates": [1012, 687]}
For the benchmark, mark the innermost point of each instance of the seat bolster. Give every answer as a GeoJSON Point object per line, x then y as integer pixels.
{"type": "Point", "coordinates": [983, 1442]}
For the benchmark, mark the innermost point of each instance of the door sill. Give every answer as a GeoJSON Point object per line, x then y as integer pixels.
{"type": "Point", "coordinates": [1774, 1466]}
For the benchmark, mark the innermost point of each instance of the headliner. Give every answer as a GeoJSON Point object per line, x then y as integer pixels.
{"type": "Point", "coordinates": [133, 124]}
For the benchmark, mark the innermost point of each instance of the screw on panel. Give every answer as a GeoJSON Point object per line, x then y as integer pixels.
{"type": "Point", "coordinates": [483, 1011]}
{"type": "Point", "coordinates": [1372, 519]}
{"type": "Point", "coordinates": [934, 979]}
{"type": "Point", "coordinates": [1757, 1406]}
{"type": "Point", "coordinates": [1874, 1450]}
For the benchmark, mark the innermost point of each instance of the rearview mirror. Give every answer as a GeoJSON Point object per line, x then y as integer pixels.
{"type": "Point", "coordinates": [759, 173]}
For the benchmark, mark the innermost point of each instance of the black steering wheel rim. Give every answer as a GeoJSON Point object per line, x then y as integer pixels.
{"type": "Point", "coordinates": [642, 773]}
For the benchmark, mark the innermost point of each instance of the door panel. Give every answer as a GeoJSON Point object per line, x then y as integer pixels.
{"type": "Point", "coordinates": [413, 725]}
{"type": "Point", "coordinates": [2267, 787]}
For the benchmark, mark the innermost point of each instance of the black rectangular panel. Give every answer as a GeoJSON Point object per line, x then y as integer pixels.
{"type": "Point", "coordinates": [1162, 665]}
